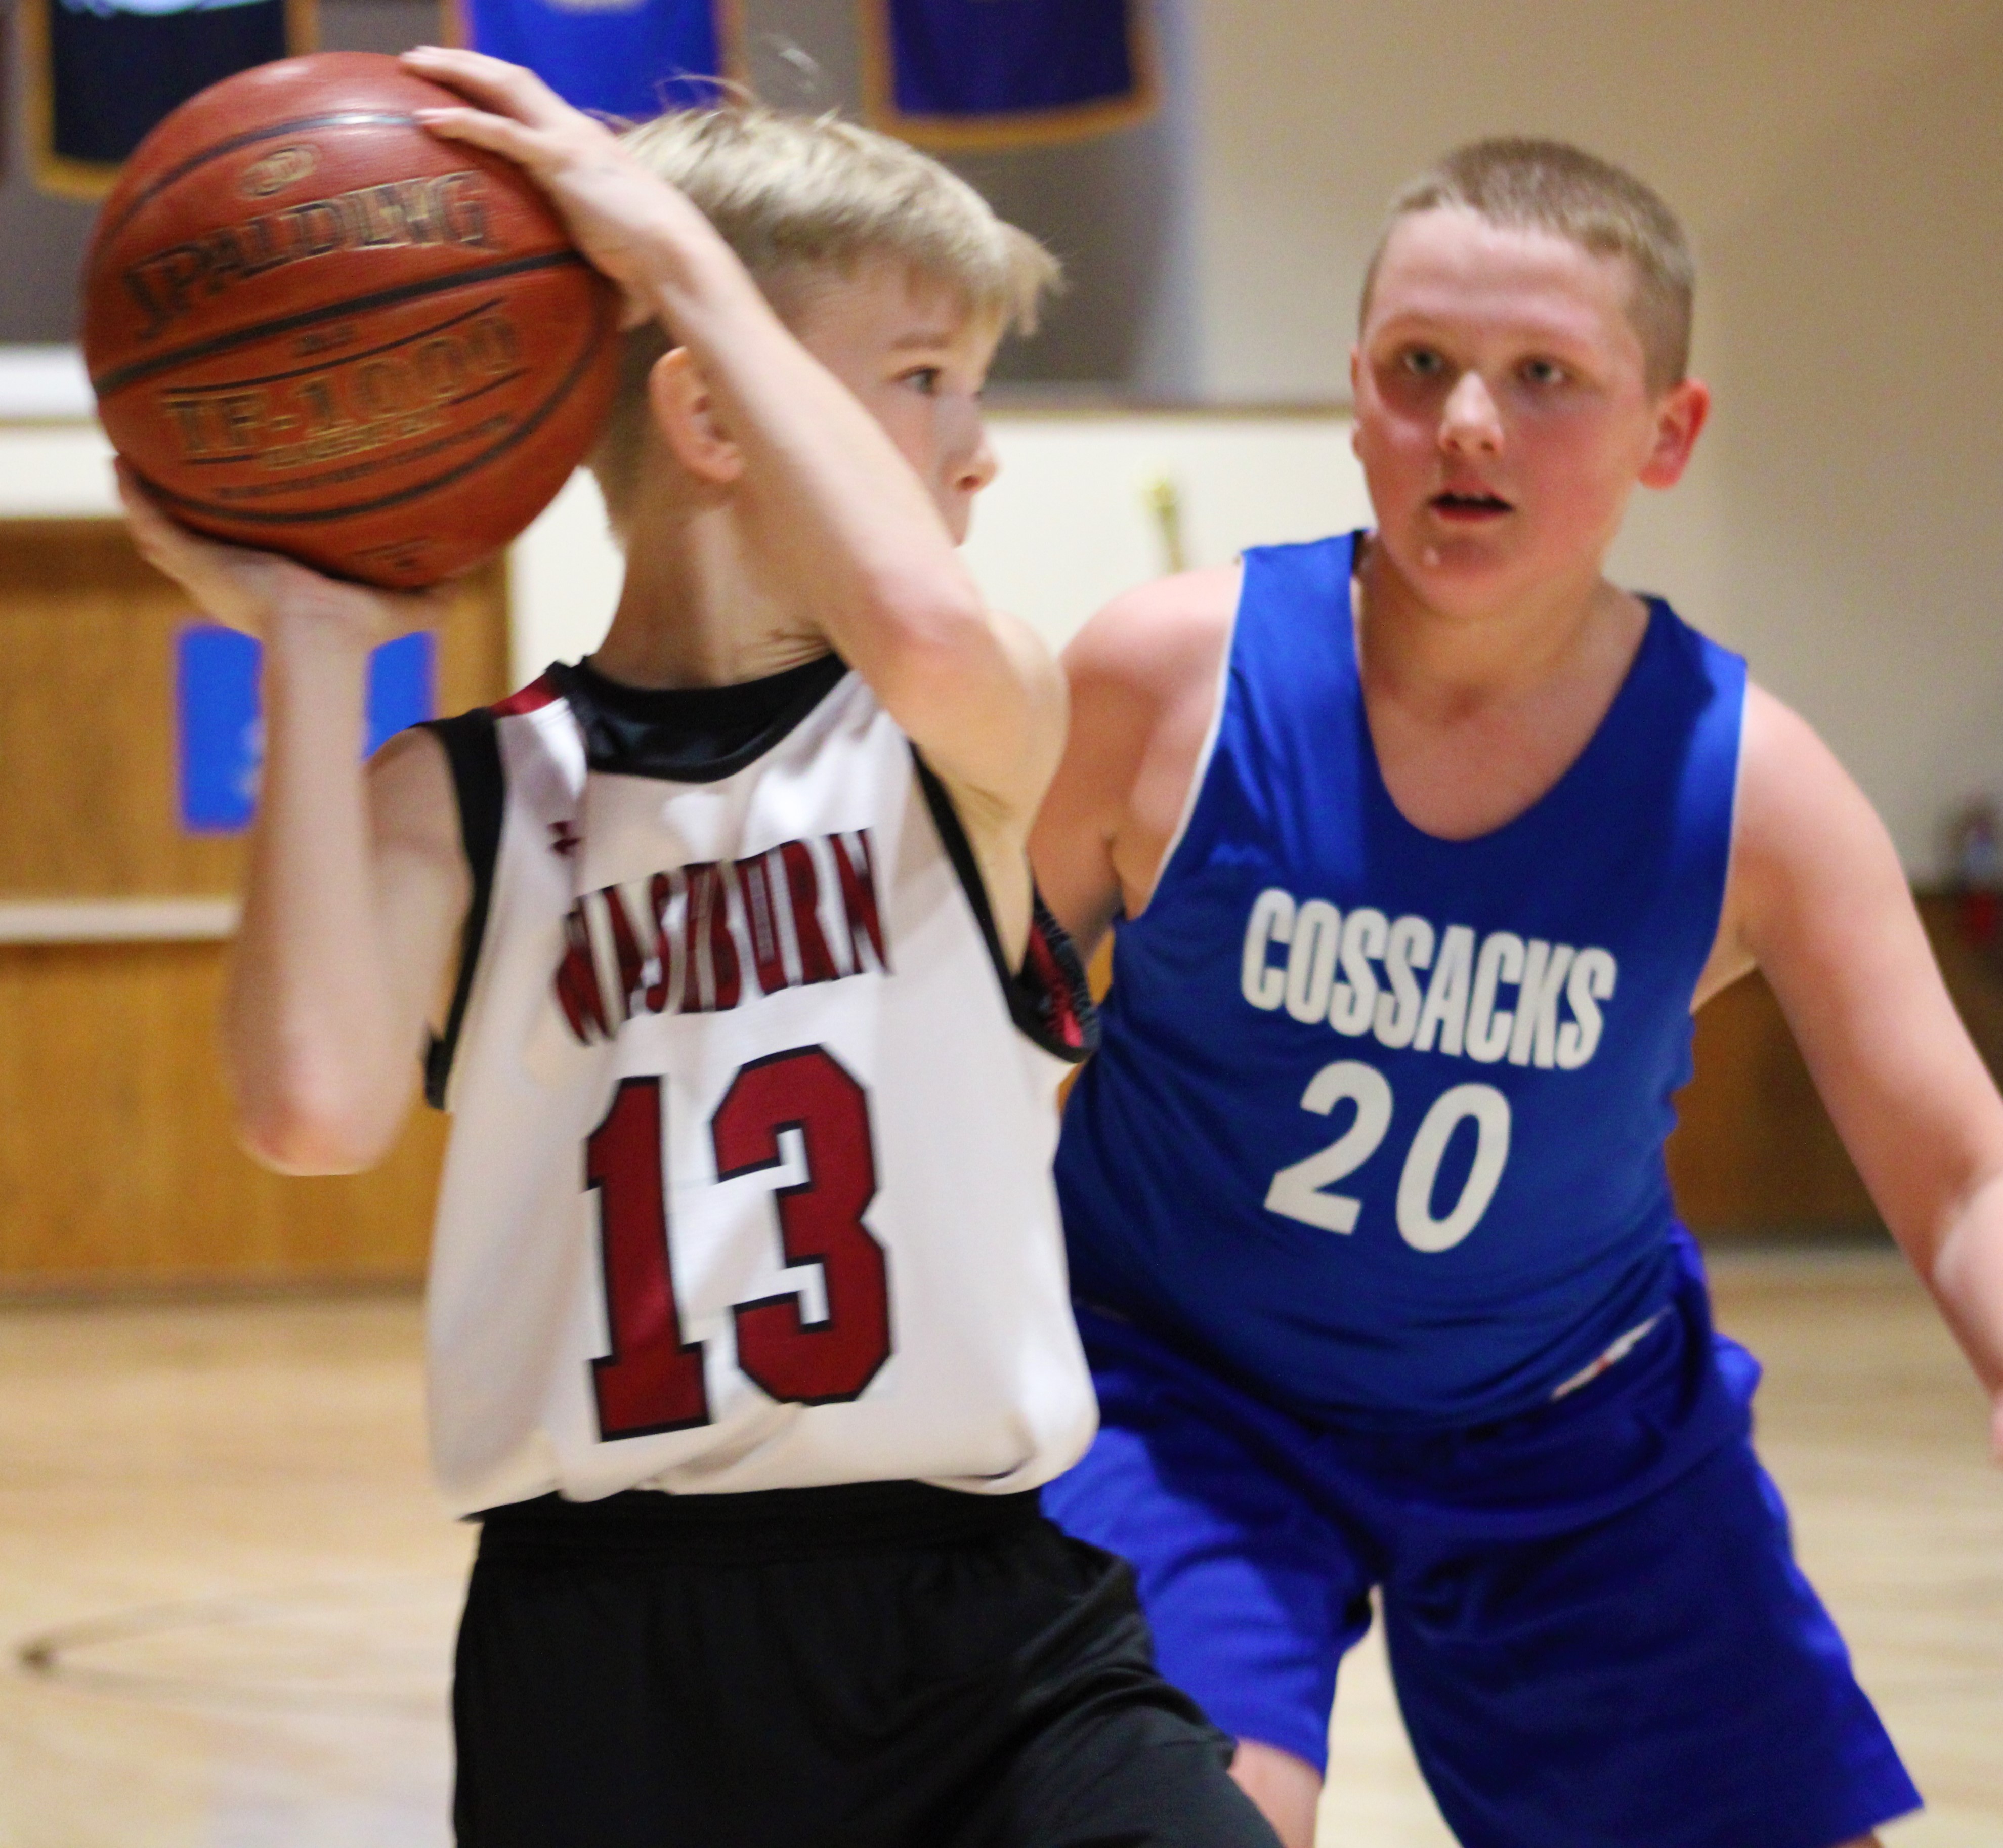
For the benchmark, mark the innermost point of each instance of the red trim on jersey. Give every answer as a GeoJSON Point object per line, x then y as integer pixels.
{"type": "Point", "coordinates": [1061, 1016]}
{"type": "Point", "coordinates": [538, 693]}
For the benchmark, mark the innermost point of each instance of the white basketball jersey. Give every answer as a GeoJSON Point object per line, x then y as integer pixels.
{"type": "Point", "coordinates": [748, 1179]}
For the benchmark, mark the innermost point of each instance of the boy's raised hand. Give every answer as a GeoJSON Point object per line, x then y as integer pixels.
{"type": "Point", "coordinates": [253, 591]}
{"type": "Point", "coordinates": [616, 210]}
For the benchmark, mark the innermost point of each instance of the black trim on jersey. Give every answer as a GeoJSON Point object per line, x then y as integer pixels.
{"type": "Point", "coordinates": [691, 734]}
{"type": "Point", "coordinates": [1048, 998]}
{"type": "Point", "coordinates": [473, 748]}
{"type": "Point", "coordinates": [758, 1525]}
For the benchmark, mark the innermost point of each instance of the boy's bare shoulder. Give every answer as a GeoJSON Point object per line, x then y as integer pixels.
{"type": "Point", "coordinates": [1811, 863]}
{"type": "Point", "coordinates": [1144, 674]}
{"type": "Point", "coordinates": [411, 792]}
{"type": "Point", "coordinates": [1796, 801]}
{"type": "Point", "coordinates": [424, 883]}
{"type": "Point", "coordinates": [1158, 638]}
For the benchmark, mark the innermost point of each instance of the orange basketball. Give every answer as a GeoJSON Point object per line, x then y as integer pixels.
{"type": "Point", "coordinates": [315, 328]}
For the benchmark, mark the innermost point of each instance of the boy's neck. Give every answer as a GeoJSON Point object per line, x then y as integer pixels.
{"type": "Point", "coordinates": [695, 611]}
{"type": "Point", "coordinates": [1423, 655]}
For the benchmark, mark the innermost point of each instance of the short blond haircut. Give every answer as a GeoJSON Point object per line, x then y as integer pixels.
{"type": "Point", "coordinates": [801, 197]}
{"type": "Point", "coordinates": [1522, 183]}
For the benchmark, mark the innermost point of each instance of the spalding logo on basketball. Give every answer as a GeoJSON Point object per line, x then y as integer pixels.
{"type": "Point", "coordinates": [314, 328]}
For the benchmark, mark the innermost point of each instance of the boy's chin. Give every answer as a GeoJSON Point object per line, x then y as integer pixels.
{"type": "Point", "coordinates": [1434, 553]}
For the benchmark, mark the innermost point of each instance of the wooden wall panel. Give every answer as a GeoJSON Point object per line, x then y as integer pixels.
{"type": "Point", "coordinates": [87, 632]}
{"type": "Point", "coordinates": [117, 1162]}
{"type": "Point", "coordinates": [1754, 1154]}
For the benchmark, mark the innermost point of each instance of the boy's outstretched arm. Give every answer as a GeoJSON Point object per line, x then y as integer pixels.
{"type": "Point", "coordinates": [855, 533]}
{"type": "Point", "coordinates": [358, 882]}
{"type": "Point", "coordinates": [1143, 676]}
{"type": "Point", "coordinates": [1819, 900]}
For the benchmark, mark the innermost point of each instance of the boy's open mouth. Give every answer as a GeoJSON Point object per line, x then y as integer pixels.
{"type": "Point", "coordinates": [1466, 506]}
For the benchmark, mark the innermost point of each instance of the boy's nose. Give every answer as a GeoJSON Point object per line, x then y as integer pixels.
{"type": "Point", "coordinates": [978, 468]}
{"type": "Point", "coordinates": [1470, 420]}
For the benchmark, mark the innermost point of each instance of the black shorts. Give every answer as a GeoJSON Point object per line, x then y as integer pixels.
{"type": "Point", "coordinates": [885, 1665]}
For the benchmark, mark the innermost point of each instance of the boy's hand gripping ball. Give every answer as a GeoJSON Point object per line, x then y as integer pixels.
{"type": "Point", "coordinates": [314, 328]}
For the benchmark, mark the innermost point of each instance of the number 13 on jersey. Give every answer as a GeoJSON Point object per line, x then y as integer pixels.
{"type": "Point", "coordinates": [1297, 1190]}
{"type": "Point", "coordinates": [653, 1379]}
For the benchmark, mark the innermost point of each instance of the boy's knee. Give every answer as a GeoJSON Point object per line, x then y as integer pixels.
{"type": "Point", "coordinates": [1287, 1789]}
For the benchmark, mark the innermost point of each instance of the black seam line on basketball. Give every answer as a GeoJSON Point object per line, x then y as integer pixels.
{"type": "Point", "coordinates": [113, 382]}
{"type": "Point", "coordinates": [306, 483]}
{"type": "Point", "coordinates": [337, 359]}
{"type": "Point", "coordinates": [529, 426]}
{"type": "Point", "coordinates": [350, 118]}
{"type": "Point", "coordinates": [360, 465]}
{"type": "Point", "coordinates": [480, 391]}
{"type": "Point", "coordinates": [343, 467]}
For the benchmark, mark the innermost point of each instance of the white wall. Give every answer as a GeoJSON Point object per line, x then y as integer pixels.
{"type": "Point", "coordinates": [1838, 164]}
{"type": "Point", "coordinates": [1067, 526]}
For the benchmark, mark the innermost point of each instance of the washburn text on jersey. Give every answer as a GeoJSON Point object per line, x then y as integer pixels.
{"type": "Point", "coordinates": [704, 938]}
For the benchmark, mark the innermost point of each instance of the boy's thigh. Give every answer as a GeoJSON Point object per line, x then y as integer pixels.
{"type": "Point", "coordinates": [989, 1695]}
{"type": "Point", "coordinates": [1107, 1752]}
{"type": "Point", "coordinates": [1253, 1592]}
{"type": "Point", "coordinates": [1663, 1678]}
{"type": "Point", "coordinates": [561, 1736]}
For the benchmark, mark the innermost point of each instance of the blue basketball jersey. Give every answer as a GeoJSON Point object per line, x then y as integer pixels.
{"type": "Point", "coordinates": [1377, 1120]}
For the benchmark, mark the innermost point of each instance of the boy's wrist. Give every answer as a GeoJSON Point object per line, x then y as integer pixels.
{"type": "Point", "coordinates": [316, 643]}
{"type": "Point", "coordinates": [685, 264]}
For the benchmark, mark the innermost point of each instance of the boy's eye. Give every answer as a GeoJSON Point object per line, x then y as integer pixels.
{"type": "Point", "coordinates": [1543, 371]}
{"type": "Point", "coordinates": [924, 378]}
{"type": "Point", "coordinates": [1423, 362]}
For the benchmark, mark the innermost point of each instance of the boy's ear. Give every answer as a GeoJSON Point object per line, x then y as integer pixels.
{"type": "Point", "coordinates": [1355, 378]}
{"type": "Point", "coordinates": [1681, 413]}
{"type": "Point", "coordinates": [685, 414]}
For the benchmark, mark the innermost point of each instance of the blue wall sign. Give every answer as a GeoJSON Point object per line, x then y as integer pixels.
{"type": "Point", "coordinates": [222, 724]}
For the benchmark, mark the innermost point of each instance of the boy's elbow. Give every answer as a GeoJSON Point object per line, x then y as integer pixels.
{"type": "Point", "coordinates": [936, 615]}
{"type": "Point", "coordinates": [944, 640]}
{"type": "Point", "coordinates": [304, 1129]}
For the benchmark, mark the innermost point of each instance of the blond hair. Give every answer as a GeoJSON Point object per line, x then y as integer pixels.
{"type": "Point", "coordinates": [799, 197]}
{"type": "Point", "coordinates": [1520, 184]}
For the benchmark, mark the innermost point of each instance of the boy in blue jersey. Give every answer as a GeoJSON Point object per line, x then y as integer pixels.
{"type": "Point", "coordinates": [1424, 845]}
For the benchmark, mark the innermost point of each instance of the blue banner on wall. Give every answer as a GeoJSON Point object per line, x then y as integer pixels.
{"type": "Point", "coordinates": [101, 73]}
{"type": "Point", "coordinates": [1005, 73]}
{"type": "Point", "coordinates": [632, 60]}
{"type": "Point", "coordinates": [221, 720]}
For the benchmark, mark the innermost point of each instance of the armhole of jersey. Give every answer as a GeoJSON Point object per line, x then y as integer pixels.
{"type": "Point", "coordinates": [473, 747]}
{"type": "Point", "coordinates": [1048, 997]}
{"type": "Point", "coordinates": [1732, 805]}
{"type": "Point", "coordinates": [1200, 775]}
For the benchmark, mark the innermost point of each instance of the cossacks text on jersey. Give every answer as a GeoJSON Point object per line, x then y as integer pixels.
{"type": "Point", "coordinates": [1399, 1100]}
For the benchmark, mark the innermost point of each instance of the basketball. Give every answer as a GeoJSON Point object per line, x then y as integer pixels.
{"type": "Point", "coordinates": [314, 328]}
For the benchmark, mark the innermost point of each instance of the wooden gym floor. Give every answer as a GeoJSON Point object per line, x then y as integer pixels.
{"type": "Point", "coordinates": [226, 1595]}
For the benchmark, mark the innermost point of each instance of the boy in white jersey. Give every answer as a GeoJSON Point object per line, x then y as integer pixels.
{"type": "Point", "coordinates": [1430, 840]}
{"type": "Point", "coordinates": [750, 1342]}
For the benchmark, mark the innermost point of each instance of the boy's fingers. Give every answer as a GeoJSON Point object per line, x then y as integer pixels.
{"type": "Point", "coordinates": [236, 584]}
{"type": "Point", "coordinates": [159, 539]}
{"type": "Point", "coordinates": [142, 508]}
{"type": "Point", "coordinates": [164, 541]}
{"type": "Point", "coordinates": [498, 134]}
{"type": "Point", "coordinates": [506, 87]}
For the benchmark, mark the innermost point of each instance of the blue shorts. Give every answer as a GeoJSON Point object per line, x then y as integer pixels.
{"type": "Point", "coordinates": [1595, 1621]}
